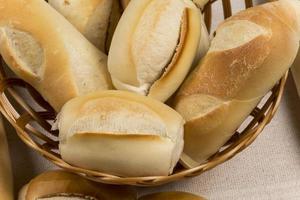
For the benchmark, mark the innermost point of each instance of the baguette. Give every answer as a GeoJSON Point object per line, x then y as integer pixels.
{"type": "Point", "coordinates": [163, 39]}
{"type": "Point", "coordinates": [60, 185]}
{"type": "Point", "coordinates": [244, 62]}
{"type": "Point", "coordinates": [95, 19]}
{"type": "Point", "coordinates": [49, 53]}
{"type": "Point", "coordinates": [6, 179]}
{"type": "Point", "coordinates": [120, 133]}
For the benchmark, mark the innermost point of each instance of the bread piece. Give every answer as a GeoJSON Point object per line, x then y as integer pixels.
{"type": "Point", "coordinates": [120, 133]}
{"type": "Point", "coordinates": [171, 196]}
{"type": "Point", "coordinates": [95, 19]}
{"type": "Point", "coordinates": [6, 180]}
{"type": "Point", "coordinates": [49, 53]}
{"type": "Point", "coordinates": [154, 46]}
{"type": "Point", "coordinates": [243, 63]}
{"type": "Point", "coordinates": [61, 185]}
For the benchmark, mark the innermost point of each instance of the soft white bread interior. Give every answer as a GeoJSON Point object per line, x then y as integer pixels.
{"type": "Point", "coordinates": [172, 196]}
{"type": "Point", "coordinates": [6, 179]}
{"type": "Point", "coordinates": [120, 133]}
{"type": "Point", "coordinates": [155, 45]}
{"type": "Point", "coordinates": [244, 62]}
{"type": "Point", "coordinates": [61, 185]}
{"type": "Point", "coordinates": [93, 18]}
{"type": "Point", "coordinates": [49, 53]}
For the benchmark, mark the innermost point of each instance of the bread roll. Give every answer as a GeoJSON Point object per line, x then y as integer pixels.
{"type": "Point", "coordinates": [171, 196]}
{"type": "Point", "coordinates": [45, 50]}
{"type": "Point", "coordinates": [60, 185]}
{"type": "Point", "coordinates": [95, 19]}
{"type": "Point", "coordinates": [120, 133]}
{"type": "Point", "coordinates": [154, 46]}
{"type": "Point", "coordinates": [6, 180]}
{"type": "Point", "coordinates": [244, 62]}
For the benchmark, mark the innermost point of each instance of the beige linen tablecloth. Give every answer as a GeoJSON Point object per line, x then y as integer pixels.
{"type": "Point", "coordinates": [268, 169]}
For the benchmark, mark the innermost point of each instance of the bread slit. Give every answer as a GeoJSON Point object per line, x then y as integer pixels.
{"type": "Point", "coordinates": [176, 54]}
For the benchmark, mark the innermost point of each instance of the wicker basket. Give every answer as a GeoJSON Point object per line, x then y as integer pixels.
{"type": "Point", "coordinates": [34, 125]}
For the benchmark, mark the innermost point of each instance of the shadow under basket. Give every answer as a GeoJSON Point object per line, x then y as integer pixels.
{"type": "Point", "coordinates": [32, 117]}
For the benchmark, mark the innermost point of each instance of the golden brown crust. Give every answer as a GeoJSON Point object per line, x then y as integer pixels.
{"type": "Point", "coordinates": [226, 74]}
{"type": "Point", "coordinates": [222, 71]}
{"type": "Point", "coordinates": [60, 182]}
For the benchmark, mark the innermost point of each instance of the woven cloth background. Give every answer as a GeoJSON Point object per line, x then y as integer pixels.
{"type": "Point", "coordinates": [268, 169]}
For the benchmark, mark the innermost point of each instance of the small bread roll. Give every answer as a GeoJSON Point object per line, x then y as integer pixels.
{"type": "Point", "coordinates": [45, 50]}
{"type": "Point", "coordinates": [95, 19]}
{"type": "Point", "coordinates": [155, 45]}
{"type": "Point", "coordinates": [120, 133]}
{"type": "Point", "coordinates": [171, 196]}
{"type": "Point", "coordinates": [244, 62]}
{"type": "Point", "coordinates": [61, 185]}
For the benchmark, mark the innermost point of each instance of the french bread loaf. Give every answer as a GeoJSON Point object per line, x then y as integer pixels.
{"type": "Point", "coordinates": [45, 50]}
{"type": "Point", "coordinates": [155, 45]}
{"type": "Point", "coordinates": [95, 19]}
{"type": "Point", "coordinates": [244, 62]}
{"type": "Point", "coordinates": [120, 133]}
{"type": "Point", "coordinates": [61, 185]}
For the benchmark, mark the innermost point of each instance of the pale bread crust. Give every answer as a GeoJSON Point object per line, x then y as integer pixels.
{"type": "Point", "coordinates": [237, 76]}
{"type": "Point", "coordinates": [95, 19]}
{"type": "Point", "coordinates": [119, 146]}
{"type": "Point", "coordinates": [72, 66]}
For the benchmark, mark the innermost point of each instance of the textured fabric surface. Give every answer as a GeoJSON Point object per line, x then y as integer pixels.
{"type": "Point", "coordinates": [268, 169]}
